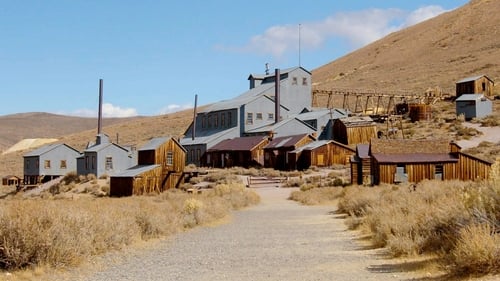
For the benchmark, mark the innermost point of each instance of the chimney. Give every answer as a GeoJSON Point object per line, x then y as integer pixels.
{"type": "Point", "coordinates": [194, 117]}
{"type": "Point", "coordinates": [277, 81]}
{"type": "Point", "coordinates": [99, 117]}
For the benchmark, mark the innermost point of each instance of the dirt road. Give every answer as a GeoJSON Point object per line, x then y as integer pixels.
{"type": "Point", "coordinates": [276, 240]}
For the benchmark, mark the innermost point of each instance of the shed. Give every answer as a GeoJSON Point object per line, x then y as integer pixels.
{"type": "Point", "coordinates": [354, 130]}
{"type": "Point", "coordinates": [473, 106]}
{"type": "Point", "coordinates": [321, 153]}
{"type": "Point", "coordinates": [480, 84]}
{"type": "Point", "coordinates": [242, 152]}
{"type": "Point", "coordinates": [276, 153]}
{"type": "Point", "coordinates": [161, 164]}
{"type": "Point", "coordinates": [361, 165]}
{"type": "Point", "coordinates": [11, 180]}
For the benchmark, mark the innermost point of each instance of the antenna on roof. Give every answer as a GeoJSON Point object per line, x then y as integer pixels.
{"type": "Point", "coordinates": [267, 68]}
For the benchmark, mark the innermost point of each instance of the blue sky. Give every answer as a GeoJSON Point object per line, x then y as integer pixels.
{"type": "Point", "coordinates": [154, 56]}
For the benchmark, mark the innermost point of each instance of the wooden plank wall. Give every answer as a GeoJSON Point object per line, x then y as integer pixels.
{"type": "Point", "coordinates": [148, 182]}
{"type": "Point", "coordinates": [472, 168]}
{"type": "Point", "coordinates": [362, 134]}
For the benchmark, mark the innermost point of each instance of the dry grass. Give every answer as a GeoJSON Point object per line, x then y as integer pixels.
{"type": "Point", "coordinates": [457, 221]}
{"type": "Point", "coordinates": [64, 232]}
{"type": "Point", "coordinates": [316, 196]}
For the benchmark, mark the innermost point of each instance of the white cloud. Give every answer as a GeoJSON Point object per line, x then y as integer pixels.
{"type": "Point", "coordinates": [174, 108]}
{"type": "Point", "coordinates": [357, 28]}
{"type": "Point", "coordinates": [108, 111]}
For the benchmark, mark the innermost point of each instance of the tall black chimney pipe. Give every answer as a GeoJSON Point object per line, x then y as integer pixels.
{"type": "Point", "coordinates": [99, 117]}
{"type": "Point", "coordinates": [277, 95]}
{"type": "Point", "coordinates": [194, 116]}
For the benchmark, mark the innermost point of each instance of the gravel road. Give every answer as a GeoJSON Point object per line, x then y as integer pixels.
{"type": "Point", "coordinates": [275, 240]}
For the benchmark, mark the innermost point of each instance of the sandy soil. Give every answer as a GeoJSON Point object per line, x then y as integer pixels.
{"type": "Point", "coordinates": [491, 134]}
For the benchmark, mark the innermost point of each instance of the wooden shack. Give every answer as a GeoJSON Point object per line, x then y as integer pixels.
{"type": "Point", "coordinates": [11, 180]}
{"type": "Point", "coordinates": [361, 165]}
{"type": "Point", "coordinates": [397, 161]}
{"type": "Point", "coordinates": [420, 112]}
{"type": "Point", "coordinates": [320, 154]}
{"type": "Point", "coordinates": [161, 164]}
{"type": "Point", "coordinates": [480, 84]}
{"type": "Point", "coordinates": [277, 151]}
{"type": "Point", "coordinates": [354, 130]}
{"type": "Point", "coordinates": [243, 152]}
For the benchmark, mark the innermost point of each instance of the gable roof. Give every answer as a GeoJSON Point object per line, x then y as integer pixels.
{"type": "Point", "coordinates": [473, 78]}
{"type": "Point", "coordinates": [287, 141]}
{"type": "Point", "coordinates": [135, 171]}
{"type": "Point", "coordinates": [357, 121]}
{"type": "Point", "coordinates": [334, 113]}
{"type": "Point", "coordinates": [239, 144]}
{"type": "Point", "coordinates": [99, 147]}
{"type": "Point", "coordinates": [470, 97]}
{"type": "Point", "coordinates": [273, 127]}
{"type": "Point", "coordinates": [46, 148]}
{"type": "Point", "coordinates": [211, 137]}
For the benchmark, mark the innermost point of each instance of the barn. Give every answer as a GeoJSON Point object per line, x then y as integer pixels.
{"type": "Point", "coordinates": [399, 161]}
{"type": "Point", "coordinates": [480, 84]}
{"type": "Point", "coordinates": [321, 153]}
{"type": "Point", "coordinates": [361, 165]}
{"type": "Point", "coordinates": [161, 164]}
{"type": "Point", "coordinates": [243, 152]}
{"type": "Point", "coordinates": [353, 130]}
{"type": "Point", "coordinates": [277, 152]}
{"type": "Point", "coordinates": [473, 106]}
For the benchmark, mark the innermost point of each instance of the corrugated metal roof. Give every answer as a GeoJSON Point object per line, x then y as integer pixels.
{"type": "Point", "coordinates": [135, 171]}
{"type": "Point", "coordinates": [46, 148]}
{"type": "Point", "coordinates": [470, 97]}
{"type": "Point", "coordinates": [287, 141]}
{"type": "Point", "coordinates": [318, 113]}
{"type": "Point", "coordinates": [238, 144]}
{"type": "Point", "coordinates": [240, 100]}
{"type": "Point", "coordinates": [154, 143]}
{"type": "Point", "coordinates": [312, 145]}
{"type": "Point", "coordinates": [272, 127]}
{"type": "Point", "coordinates": [473, 78]}
{"type": "Point", "coordinates": [204, 139]}
{"type": "Point", "coordinates": [357, 121]}
{"type": "Point", "coordinates": [401, 158]}
{"type": "Point", "coordinates": [363, 150]}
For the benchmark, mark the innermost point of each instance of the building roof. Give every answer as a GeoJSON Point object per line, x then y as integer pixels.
{"type": "Point", "coordinates": [135, 171]}
{"type": "Point", "coordinates": [288, 141]}
{"type": "Point", "coordinates": [334, 113]}
{"type": "Point", "coordinates": [312, 145]}
{"type": "Point", "coordinates": [406, 146]}
{"type": "Point", "coordinates": [473, 78]}
{"type": "Point", "coordinates": [272, 73]}
{"type": "Point", "coordinates": [239, 144]}
{"type": "Point", "coordinates": [470, 97]}
{"type": "Point", "coordinates": [273, 127]}
{"type": "Point", "coordinates": [154, 143]}
{"type": "Point", "coordinates": [99, 147]}
{"type": "Point", "coordinates": [11, 177]}
{"type": "Point", "coordinates": [399, 158]}
{"type": "Point", "coordinates": [355, 121]}
{"type": "Point", "coordinates": [363, 150]}
{"type": "Point", "coordinates": [209, 138]}
{"type": "Point", "coordinates": [46, 148]}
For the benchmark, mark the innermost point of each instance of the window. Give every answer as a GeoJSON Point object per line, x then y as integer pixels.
{"type": "Point", "coordinates": [109, 163]}
{"type": "Point", "coordinates": [258, 116]}
{"type": "Point", "coordinates": [249, 118]}
{"type": "Point", "coordinates": [198, 155]}
{"type": "Point", "coordinates": [210, 121]}
{"type": "Point", "coordinates": [223, 120]}
{"type": "Point", "coordinates": [294, 81]}
{"type": "Point", "coordinates": [46, 164]}
{"type": "Point", "coordinates": [438, 173]}
{"type": "Point", "coordinates": [27, 164]}
{"type": "Point", "coordinates": [37, 164]}
{"type": "Point", "coordinates": [229, 119]}
{"type": "Point", "coordinates": [87, 163]}
{"type": "Point", "coordinates": [270, 116]}
{"type": "Point", "coordinates": [216, 121]}
{"type": "Point", "coordinates": [93, 162]}
{"type": "Point", "coordinates": [483, 86]}
{"type": "Point", "coordinates": [204, 122]}
{"type": "Point", "coordinates": [191, 153]}
{"type": "Point", "coordinates": [63, 164]}
{"type": "Point", "coordinates": [304, 81]}
{"type": "Point", "coordinates": [170, 158]}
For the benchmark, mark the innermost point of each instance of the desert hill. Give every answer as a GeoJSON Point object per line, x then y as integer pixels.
{"type": "Point", "coordinates": [437, 52]}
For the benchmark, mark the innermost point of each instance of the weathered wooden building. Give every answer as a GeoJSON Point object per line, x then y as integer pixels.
{"type": "Point", "coordinates": [473, 106]}
{"type": "Point", "coordinates": [322, 153]}
{"type": "Point", "coordinates": [243, 152]}
{"type": "Point", "coordinates": [361, 165]}
{"type": "Point", "coordinates": [480, 84]}
{"type": "Point", "coordinates": [397, 161]}
{"type": "Point", "coordinates": [277, 152]}
{"type": "Point", "coordinates": [161, 164]}
{"type": "Point", "coordinates": [49, 162]}
{"type": "Point", "coordinates": [11, 180]}
{"type": "Point", "coordinates": [354, 130]}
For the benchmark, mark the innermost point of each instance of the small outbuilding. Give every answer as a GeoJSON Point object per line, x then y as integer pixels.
{"type": "Point", "coordinates": [354, 130]}
{"type": "Point", "coordinates": [480, 84]}
{"type": "Point", "coordinates": [321, 153]}
{"type": "Point", "coordinates": [473, 106]}
{"type": "Point", "coordinates": [11, 180]}
{"type": "Point", "coordinates": [277, 152]}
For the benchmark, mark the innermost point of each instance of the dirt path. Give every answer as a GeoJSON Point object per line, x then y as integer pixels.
{"type": "Point", "coordinates": [491, 134]}
{"type": "Point", "coordinates": [276, 240]}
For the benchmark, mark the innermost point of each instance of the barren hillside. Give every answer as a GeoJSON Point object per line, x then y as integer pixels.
{"type": "Point", "coordinates": [438, 52]}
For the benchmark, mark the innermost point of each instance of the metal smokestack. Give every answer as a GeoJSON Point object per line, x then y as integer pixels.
{"type": "Point", "coordinates": [194, 116]}
{"type": "Point", "coordinates": [99, 117]}
{"type": "Point", "coordinates": [277, 95]}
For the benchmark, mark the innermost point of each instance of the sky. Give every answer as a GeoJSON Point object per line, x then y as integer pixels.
{"type": "Point", "coordinates": [155, 56]}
